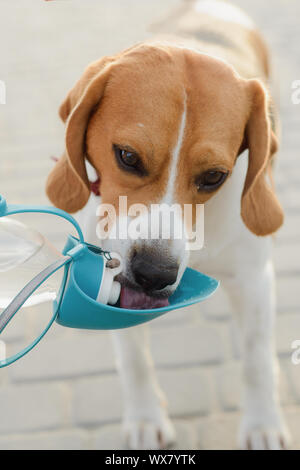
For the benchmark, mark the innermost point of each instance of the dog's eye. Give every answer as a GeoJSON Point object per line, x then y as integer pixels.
{"type": "Point", "coordinates": [210, 180]}
{"type": "Point", "coordinates": [129, 160]}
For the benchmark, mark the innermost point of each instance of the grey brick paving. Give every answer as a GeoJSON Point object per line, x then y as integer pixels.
{"type": "Point", "coordinates": [65, 358]}
{"type": "Point", "coordinates": [218, 431]}
{"type": "Point", "coordinates": [196, 344]}
{"type": "Point", "coordinates": [228, 383]}
{"type": "Point", "coordinates": [96, 400]}
{"type": "Point", "coordinates": [190, 391]}
{"type": "Point", "coordinates": [288, 298]}
{"type": "Point", "coordinates": [287, 327]}
{"type": "Point", "coordinates": [66, 394]}
{"type": "Point", "coordinates": [31, 407]}
{"type": "Point", "coordinates": [73, 439]}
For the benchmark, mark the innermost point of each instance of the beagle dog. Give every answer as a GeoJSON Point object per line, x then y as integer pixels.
{"type": "Point", "coordinates": [185, 118]}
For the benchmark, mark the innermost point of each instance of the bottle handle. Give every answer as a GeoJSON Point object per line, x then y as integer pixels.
{"type": "Point", "coordinates": [24, 294]}
{"type": "Point", "coordinates": [28, 290]}
{"type": "Point", "coordinates": [15, 305]}
{"type": "Point", "coordinates": [11, 209]}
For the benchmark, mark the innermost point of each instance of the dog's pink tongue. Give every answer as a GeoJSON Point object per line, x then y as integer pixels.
{"type": "Point", "coordinates": [138, 300]}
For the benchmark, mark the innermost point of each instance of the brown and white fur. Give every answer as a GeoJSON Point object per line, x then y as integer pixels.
{"type": "Point", "coordinates": [186, 103]}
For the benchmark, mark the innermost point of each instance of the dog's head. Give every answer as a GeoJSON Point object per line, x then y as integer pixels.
{"type": "Point", "coordinates": [165, 124]}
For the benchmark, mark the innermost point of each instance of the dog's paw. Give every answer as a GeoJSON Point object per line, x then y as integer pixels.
{"type": "Point", "coordinates": [260, 434]}
{"type": "Point", "coordinates": [149, 434]}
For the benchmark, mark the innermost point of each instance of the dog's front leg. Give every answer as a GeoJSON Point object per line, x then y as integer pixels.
{"type": "Point", "coordinates": [253, 297]}
{"type": "Point", "coordinates": [146, 422]}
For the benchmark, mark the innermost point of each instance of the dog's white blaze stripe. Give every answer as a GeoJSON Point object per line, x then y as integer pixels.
{"type": "Point", "coordinates": [225, 12]}
{"type": "Point", "coordinates": [168, 197]}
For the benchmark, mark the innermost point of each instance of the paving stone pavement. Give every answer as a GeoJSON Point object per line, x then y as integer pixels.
{"type": "Point", "coordinates": [66, 394]}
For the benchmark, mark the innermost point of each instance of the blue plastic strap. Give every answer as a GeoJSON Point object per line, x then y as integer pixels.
{"type": "Point", "coordinates": [21, 298]}
{"type": "Point", "coordinates": [10, 209]}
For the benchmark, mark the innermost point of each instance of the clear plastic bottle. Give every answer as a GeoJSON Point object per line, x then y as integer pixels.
{"type": "Point", "coordinates": [24, 252]}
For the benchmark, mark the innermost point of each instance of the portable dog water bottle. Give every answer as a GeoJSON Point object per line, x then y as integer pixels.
{"type": "Point", "coordinates": [88, 287]}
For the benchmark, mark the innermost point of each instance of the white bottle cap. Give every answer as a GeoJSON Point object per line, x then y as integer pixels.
{"type": "Point", "coordinates": [109, 290]}
{"type": "Point", "coordinates": [114, 293]}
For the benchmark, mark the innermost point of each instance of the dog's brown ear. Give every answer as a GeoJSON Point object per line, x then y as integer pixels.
{"type": "Point", "coordinates": [67, 186]}
{"type": "Point", "coordinates": [260, 208]}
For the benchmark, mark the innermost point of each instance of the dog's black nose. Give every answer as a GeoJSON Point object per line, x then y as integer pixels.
{"type": "Point", "coordinates": [152, 272]}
